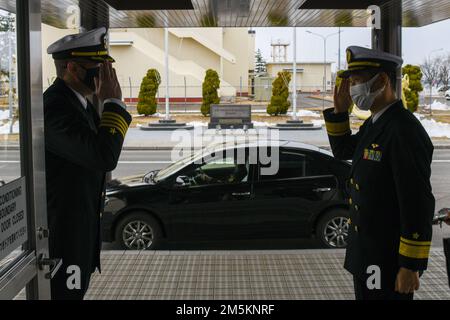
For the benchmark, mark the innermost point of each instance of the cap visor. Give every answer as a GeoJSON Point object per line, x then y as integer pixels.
{"type": "Point", "coordinates": [344, 74]}
{"type": "Point", "coordinates": [347, 73]}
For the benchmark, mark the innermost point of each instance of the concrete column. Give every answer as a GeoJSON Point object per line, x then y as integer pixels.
{"type": "Point", "coordinates": [294, 74]}
{"type": "Point", "coordinates": [166, 68]}
{"type": "Point", "coordinates": [389, 37]}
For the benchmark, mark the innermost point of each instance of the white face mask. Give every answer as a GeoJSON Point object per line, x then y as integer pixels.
{"type": "Point", "coordinates": [361, 94]}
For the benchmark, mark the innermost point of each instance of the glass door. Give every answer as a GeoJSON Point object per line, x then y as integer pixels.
{"type": "Point", "coordinates": [24, 262]}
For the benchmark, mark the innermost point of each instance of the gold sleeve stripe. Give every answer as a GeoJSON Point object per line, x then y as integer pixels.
{"type": "Point", "coordinates": [415, 243]}
{"type": "Point", "coordinates": [116, 116]}
{"type": "Point", "coordinates": [412, 251]}
{"type": "Point", "coordinates": [117, 120]}
{"type": "Point", "coordinates": [113, 125]}
{"type": "Point", "coordinates": [338, 134]}
{"type": "Point", "coordinates": [338, 128]}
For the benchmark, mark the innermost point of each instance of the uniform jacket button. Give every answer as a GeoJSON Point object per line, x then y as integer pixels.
{"type": "Point", "coordinates": [356, 207]}
{"type": "Point", "coordinates": [351, 181]}
{"type": "Point", "coordinates": [357, 187]}
{"type": "Point", "coordinates": [350, 200]}
{"type": "Point", "coordinates": [356, 228]}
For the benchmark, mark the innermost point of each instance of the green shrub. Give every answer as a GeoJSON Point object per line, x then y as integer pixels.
{"type": "Point", "coordinates": [209, 91]}
{"type": "Point", "coordinates": [147, 95]}
{"type": "Point", "coordinates": [279, 103]}
{"type": "Point", "coordinates": [415, 85]}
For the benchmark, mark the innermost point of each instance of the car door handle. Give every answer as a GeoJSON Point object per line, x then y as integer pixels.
{"type": "Point", "coordinates": [322, 189]}
{"type": "Point", "coordinates": [240, 193]}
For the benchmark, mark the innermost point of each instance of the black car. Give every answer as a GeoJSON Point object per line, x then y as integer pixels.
{"type": "Point", "coordinates": [259, 190]}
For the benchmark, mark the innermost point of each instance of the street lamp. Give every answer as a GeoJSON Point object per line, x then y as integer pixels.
{"type": "Point", "coordinates": [339, 49]}
{"type": "Point", "coordinates": [431, 83]}
{"type": "Point", "coordinates": [324, 38]}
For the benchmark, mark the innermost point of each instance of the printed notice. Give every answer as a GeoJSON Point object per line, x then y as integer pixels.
{"type": "Point", "coordinates": [13, 218]}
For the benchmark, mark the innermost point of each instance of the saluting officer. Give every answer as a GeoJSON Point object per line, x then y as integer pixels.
{"type": "Point", "coordinates": [80, 147]}
{"type": "Point", "coordinates": [391, 202]}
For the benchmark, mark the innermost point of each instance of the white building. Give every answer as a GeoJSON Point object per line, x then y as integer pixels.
{"type": "Point", "coordinates": [229, 51]}
{"type": "Point", "coordinates": [309, 74]}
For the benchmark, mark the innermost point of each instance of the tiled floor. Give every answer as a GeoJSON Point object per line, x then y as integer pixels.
{"type": "Point", "coordinates": [291, 274]}
{"type": "Point", "coordinates": [272, 275]}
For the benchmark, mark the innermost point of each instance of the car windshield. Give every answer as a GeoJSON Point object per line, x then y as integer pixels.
{"type": "Point", "coordinates": [174, 167]}
{"type": "Point", "coordinates": [181, 163]}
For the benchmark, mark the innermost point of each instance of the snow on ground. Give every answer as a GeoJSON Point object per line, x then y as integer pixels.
{"type": "Point", "coordinates": [4, 127]}
{"type": "Point", "coordinates": [305, 113]}
{"type": "Point", "coordinates": [155, 115]}
{"type": "Point", "coordinates": [4, 115]}
{"type": "Point", "coordinates": [433, 128]}
{"type": "Point", "coordinates": [197, 124]}
{"type": "Point", "coordinates": [437, 105]}
{"type": "Point", "coordinates": [318, 122]}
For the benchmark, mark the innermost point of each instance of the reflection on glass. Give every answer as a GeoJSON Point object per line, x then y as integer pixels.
{"type": "Point", "coordinates": [9, 111]}
{"type": "Point", "coordinates": [9, 115]}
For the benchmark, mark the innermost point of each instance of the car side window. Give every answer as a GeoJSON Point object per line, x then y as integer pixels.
{"type": "Point", "coordinates": [290, 165]}
{"type": "Point", "coordinates": [219, 171]}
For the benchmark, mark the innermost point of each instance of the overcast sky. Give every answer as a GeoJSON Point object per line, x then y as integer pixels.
{"type": "Point", "coordinates": [417, 42]}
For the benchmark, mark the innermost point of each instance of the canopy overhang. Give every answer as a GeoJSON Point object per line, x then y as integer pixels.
{"type": "Point", "coordinates": [236, 13]}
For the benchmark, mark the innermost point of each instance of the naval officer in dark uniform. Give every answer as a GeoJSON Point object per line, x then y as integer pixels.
{"type": "Point", "coordinates": [80, 147]}
{"type": "Point", "coordinates": [391, 201]}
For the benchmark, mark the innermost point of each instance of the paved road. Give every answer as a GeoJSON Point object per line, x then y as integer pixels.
{"type": "Point", "coordinates": [139, 162]}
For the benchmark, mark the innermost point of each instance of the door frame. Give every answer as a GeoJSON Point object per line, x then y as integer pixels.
{"type": "Point", "coordinates": [25, 270]}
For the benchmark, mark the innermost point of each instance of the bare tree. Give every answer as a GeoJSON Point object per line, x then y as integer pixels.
{"type": "Point", "coordinates": [444, 71]}
{"type": "Point", "coordinates": [430, 70]}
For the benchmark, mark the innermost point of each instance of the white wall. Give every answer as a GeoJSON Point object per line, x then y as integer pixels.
{"type": "Point", "coordinates": [308, 80]}
{"type": "Point", "coordinates": [189, 57]}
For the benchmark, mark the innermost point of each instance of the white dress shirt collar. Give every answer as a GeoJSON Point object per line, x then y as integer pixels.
{"type": "Point", "coordinates": [82, 99]}
{"type": "Point", "coordinates": [377, 115]}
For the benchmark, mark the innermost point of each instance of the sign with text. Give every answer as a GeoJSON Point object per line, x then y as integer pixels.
{"type": "Point", "coordinates": [13, 217]}
{"type": "Point", "coordinates": [230, 116]}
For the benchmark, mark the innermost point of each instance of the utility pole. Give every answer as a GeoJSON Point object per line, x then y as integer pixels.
{"type": "Point", "coordinates": [339, 49]}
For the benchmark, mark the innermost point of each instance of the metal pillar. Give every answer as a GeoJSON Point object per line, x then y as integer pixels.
{"type": "Point", "coordinates": [294, 74]}
{"type": "Point", "coordinates": [166, 70]}
{"type": "Point", "coordinates": [339, 49]}
{"type": "Point", "coordinates": [32, 154]}
{"type": "Point", "coordinates": [389, 37]}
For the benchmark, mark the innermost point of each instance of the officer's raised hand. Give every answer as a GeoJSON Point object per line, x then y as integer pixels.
{"type": "Point", "coordinates": [342, 99]}
{"type": "Point", "coordinates": [107, 85]}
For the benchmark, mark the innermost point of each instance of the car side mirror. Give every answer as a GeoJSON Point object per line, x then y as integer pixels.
{"type": "Point", "coordinates": [182, 181]}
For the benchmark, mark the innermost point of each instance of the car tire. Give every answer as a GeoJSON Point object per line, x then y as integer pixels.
{"type": "Point", "coordinates": [141, 227]}
{"type": "Point", "coordinates": [332, 228]}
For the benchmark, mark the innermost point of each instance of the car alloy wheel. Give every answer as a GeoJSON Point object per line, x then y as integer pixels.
{"type": "Point", "coordinates": [137, 235]}
{"type": "Point", "coordinates": [336, 232]}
